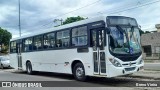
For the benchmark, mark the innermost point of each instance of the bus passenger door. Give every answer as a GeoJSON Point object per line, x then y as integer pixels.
{"type": "Point", "coordinates": [18, 51]}
{"type": "Point", "coordinates": [98, 43]}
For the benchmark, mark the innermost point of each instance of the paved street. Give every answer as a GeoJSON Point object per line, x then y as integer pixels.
{"type": "Point", "coordinates": [152, 66]}
{"type": "Point", "coordinates": [100, 83]}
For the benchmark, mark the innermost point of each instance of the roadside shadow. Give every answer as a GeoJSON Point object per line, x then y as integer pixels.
{"type": "Point", "coordinates": [48, 74]}
{"type": "Point", "coordinates": [97, 81]}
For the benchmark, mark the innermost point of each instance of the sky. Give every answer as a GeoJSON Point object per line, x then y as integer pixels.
{"type": "Point", "coordinates": [37, 15]}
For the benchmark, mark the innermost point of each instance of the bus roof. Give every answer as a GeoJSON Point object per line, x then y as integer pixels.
{"type": "Point", "coordinates": [90, 20]}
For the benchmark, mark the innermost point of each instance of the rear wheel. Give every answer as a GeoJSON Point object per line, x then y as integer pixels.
{"type": "Point", "coordinates": [29, 68]}
{"type": "Point", "coordinates": [79, 72]}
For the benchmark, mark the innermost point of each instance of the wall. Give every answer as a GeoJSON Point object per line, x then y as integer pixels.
{"type": "Point", "coordinates": [152, 39]}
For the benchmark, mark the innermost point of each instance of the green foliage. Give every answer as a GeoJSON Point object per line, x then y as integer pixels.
{"type": "Point", "coordinates": [5, 37]}
{"type": "Point", "coordinates": [141, 32]}
{"type": "Point", "coordinates": [147, 32]}
{"type": "Point", "coordinates": [73, 19]}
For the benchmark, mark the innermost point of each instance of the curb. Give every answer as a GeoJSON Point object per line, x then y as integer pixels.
{"type": "Point", "coordinates": [143, 74]}
{"type": "Point", "coordinates": [11, 70]}
{"type": "Point", "coordinates": [144, 77]}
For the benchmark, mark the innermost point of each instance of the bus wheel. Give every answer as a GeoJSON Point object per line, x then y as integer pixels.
{"type": "Point", "coordinates": [29, 68]}
{"type": "Point", "coordinates": [79, 72]}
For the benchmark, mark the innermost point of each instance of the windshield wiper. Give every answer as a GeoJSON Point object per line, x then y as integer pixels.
{"type": "Point", "coordinates": [132, 30]}
{"type": "Point", "coordinates": [122, 31]}
{"type": "Point", "coordinates": [126, 34]}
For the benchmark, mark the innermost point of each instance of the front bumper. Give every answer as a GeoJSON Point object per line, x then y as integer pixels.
{"type": "Point", "coordinates": [124, 70]}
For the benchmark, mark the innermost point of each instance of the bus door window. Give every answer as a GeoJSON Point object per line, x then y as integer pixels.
{"type": "Point", "coordinates": [101, 39]}
{"type": "Point", "coordinates": [94, 40]}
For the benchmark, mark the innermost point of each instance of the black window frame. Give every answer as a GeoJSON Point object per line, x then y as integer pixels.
{"type": "Point", "coordinates": [88, 28]}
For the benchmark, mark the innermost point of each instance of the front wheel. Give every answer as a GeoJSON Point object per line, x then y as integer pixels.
{"type": "Point", "coordinates": [79, 72]}
{"type": "Point", "coordinates": [29, 68]}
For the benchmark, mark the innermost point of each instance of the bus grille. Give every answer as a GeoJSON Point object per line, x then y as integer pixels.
{"type": "Point", "coordinates": [130, 69]}
{"type": "Point", "coordinates": [126, 64]}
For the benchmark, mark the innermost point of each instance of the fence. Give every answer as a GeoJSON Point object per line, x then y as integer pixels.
{"type": "Point", "coordinates": [151, 56]}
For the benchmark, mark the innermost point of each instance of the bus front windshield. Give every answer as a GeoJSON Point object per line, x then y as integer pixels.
{"type": "Point", "coordinates": [124, 40]}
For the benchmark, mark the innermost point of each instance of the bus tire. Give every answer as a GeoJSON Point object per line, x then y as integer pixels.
{"type": "Point", "coordinates": [29, 68]}
{"type": "Point", "coordinates": [79, 72]}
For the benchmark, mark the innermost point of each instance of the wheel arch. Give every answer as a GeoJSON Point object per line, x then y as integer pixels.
{"type": "Point", "coordinates": [26, 63]}
{"type": "Point", "coordinates": [74, 62]}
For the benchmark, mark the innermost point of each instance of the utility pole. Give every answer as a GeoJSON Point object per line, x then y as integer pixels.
{"type": "Point", "coordinates": [19, 4]}
{"type": "Point", "coordinates": [61, 21]}
{"type": "Point", "coordinates": [19, 43]}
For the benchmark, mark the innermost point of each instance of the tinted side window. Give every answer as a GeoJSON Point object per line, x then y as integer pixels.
{"type": "Point", "coordinates": [13, 47]}
{"type": "Point", "coordinates": [27, 44]}
{"type": "Point", "coordinates": [79, 36]}
{"type": "Point", "coordinates": [49, 41]}
{"type": "Point", "coordinates": [63, 38]}
{"type": "Point", "coordinates": [37, 45]}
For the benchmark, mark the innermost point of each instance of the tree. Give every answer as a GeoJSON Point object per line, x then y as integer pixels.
{"type": "Point", "coordinates": [141, 32]}
{"type": "Point", "coordinates": [73, 19]}
{"type": "Point", "coordinates": [147, 32]}
{"type": "Point", "coordinates": [5, 37]}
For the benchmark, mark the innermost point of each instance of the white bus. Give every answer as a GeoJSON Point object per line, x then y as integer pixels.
{"type": "Point", "coordinates": [101, 47]}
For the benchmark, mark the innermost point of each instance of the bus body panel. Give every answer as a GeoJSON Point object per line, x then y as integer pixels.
{"type": "Point", "coordinates": [54, 60]}
{"type": "Point", "coordinates": [13, 60]}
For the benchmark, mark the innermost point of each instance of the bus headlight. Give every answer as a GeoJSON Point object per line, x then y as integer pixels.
{"type": "Point", "coordinates": [141, 61]}
{"type": "Point", "coordinates": [115, 62]}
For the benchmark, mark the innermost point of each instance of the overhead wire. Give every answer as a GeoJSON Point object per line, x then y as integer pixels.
{"type": "Point", "coordinates": [129, 8]}
{"type": "Point", "coordinates": [51, 19]}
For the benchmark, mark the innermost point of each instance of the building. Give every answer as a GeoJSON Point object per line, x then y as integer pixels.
{"type": "Point", "coordinates": [151, 44]}
{"type": "Point", "coordinates": [158, 27]}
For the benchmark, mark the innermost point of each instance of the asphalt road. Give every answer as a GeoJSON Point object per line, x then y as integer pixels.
{"type": "Point", "coordinates": [152, 66]}
{"type": "Point", "coordinates": [63, 80]}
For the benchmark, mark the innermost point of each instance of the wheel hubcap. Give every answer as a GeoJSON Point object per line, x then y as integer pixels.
{"type": "Point", "coordinates": [79, 72]}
